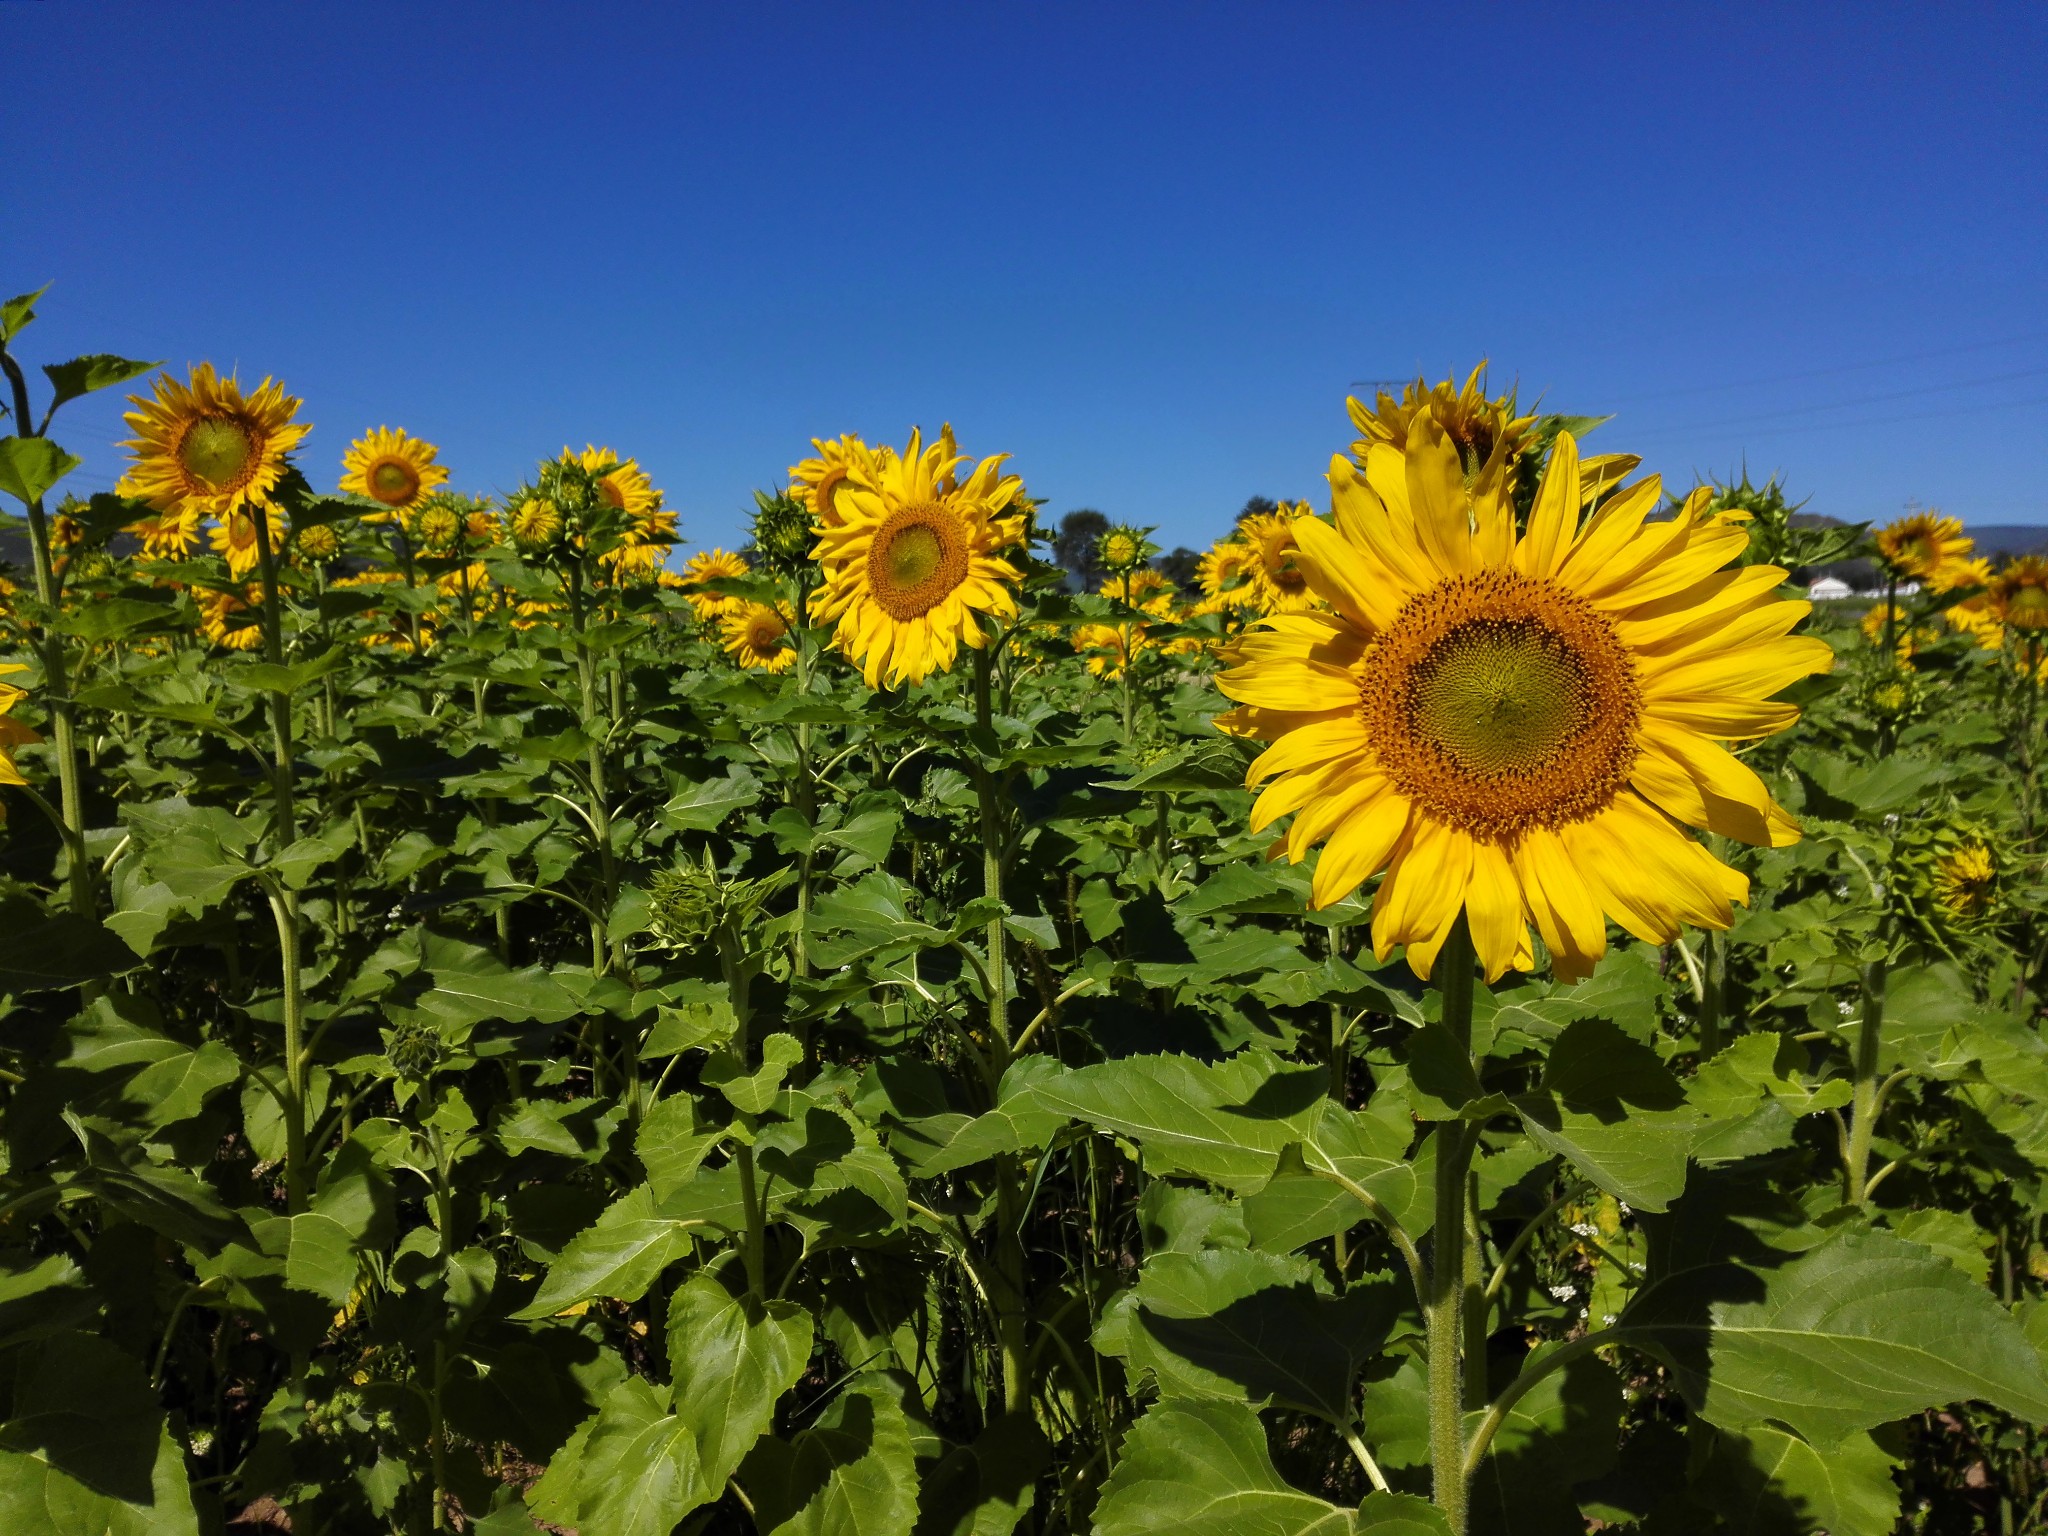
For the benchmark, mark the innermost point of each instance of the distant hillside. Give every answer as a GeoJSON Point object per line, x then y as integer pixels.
{"type": "Point", "coordinates": [2008, 538]}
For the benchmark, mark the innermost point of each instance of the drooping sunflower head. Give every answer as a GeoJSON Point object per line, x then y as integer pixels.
{"type": "Point", "coordinates": [2019, 593]}
{"type": "Point", "coordinates": [534, 523]}
{"type": "Point", "coordinates": [1924, 547]}
{"type": "Point", "coordinates": [1974, 617]}
{"type": "Point", "coordinates": [913, 567]}
{"type": "Point", "coordinates": [714, 565]}
{"type": "Point", "coordinates": [204, 445]}
{"type": "Point", "coordinates": [392, 467]}
{"type": "Point", "coordinates": [234, 536]}
{"type": "Point", "coordinates": [1479, 424]}
{"type": "Point", "coordinates": [757, 637]}
{"type": "Point", "coordinates": [1516, 725]}
{"type": "Point", "coordinates": [1278, 584]}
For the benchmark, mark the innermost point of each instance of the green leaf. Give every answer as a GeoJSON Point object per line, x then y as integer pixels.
{"type": "Point", "coordinates": [63, 949]}
{"type": "Point", "coordinates": [1766, 1482]}
{"type": "Point", "coordinates": [96, 370]}
{"type": "Point", "coordinates": [751, 1092]}
{"type": "Point", "coordinates": [19, 312]}
{"type": "Point", "coordinates": [1226, 1122]}
{"type": "Point", "coordinates": [638, 1473]}
{"type": "Point", "coordinates": [29, 466]}
{"type": "Point", "coordinates": [1367, 1147]}
{"type": "Point", "coordinates": [1863, 1329]}
{"type": "Point", "coordinates": [1609, 1105]}
{"type": "Point", "coordinates": [704, 807]}
{"type": "Point", "coordinates": [1248, 1327]}
{"type": "Point", "coordinates": [83, 1451]}
{"type": "Point", "coordinates": [731, 1357]}
{"type": "Point", "coordinates": [852, 1473]}
{"type": "Point", "coordinates": [112, 616]}
{"type": "Point", "coordinates": [1200, 767]}
{"type": "Point", "coordinates": [985, 1488]}
{"type": "Point", "coordinates": [619, 1255]}
{"type": "Point", "coordinates": [1203, 1469]}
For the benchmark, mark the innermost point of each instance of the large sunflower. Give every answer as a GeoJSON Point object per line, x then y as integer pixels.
{"type": "Point", "coordinates": [714, 565]}
{"type": "Point", "coordinates": [2019, 593]}
{"type": "Point", "coordinates": [1925, 547]}
{"type": "Point", "coordinates": [394, 468]}
{"type": "Point", "coordinates": [913, 563]}
{"type": "Point", "coordinates": [1515, 727]}
{"type": "Point", "coordinates": [1278, 584]}
{"type": "Point", "coordinates": [757, 637]}
{"type": "Point", "coordinates": [205, 445]}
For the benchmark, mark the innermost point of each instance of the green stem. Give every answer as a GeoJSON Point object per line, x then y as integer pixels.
{"type": "Point", "coordinates": [738, 979]}
{"type": "Point", "coordinates": [600, 810]}
{"type": "Point", "coordinates": [1869, 1100]}
{"type": "Point", "coordinates": [1445, 1312]}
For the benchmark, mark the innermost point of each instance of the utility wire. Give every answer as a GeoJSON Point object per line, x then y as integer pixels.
{"type": "Point", "coordinates": [1824, 373]}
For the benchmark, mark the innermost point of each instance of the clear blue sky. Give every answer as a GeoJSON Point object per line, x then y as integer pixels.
{"type": "Point", "coordinates": [1143, 248]}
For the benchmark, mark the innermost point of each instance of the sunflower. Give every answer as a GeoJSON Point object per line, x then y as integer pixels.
{"type": "Point", "coordinates": [172, 534]}
{"type": "Point", "coordinates": [1122, 547]}
{"type": "Point", "coordinates": [12, 732]}
{"type": "Point", "coordinates": [757, 637]}
{"type": "Point", "coordinates": [1516, 726]}
{"type": "Point", "coordinates": [394, 468]}
{"type": "Point", "coordinates": [1225, 574]}
{"type": "Point", "coordinates": [1110, 648]}
{"type": "Point", "coordinates": [235, 536]}
{"type": "Point", "coordinates": [2019, 593]}
{"type": "Point", "coordinates": [318, 542]}
{"type": "Point", "coordinates": [1963, 880]}
{"type": "Point", "coordinates": [535, 523]}
{"type": "Point", "coordinates": [1144, 589]}
{"type": "Point", "coordinates": [1924, 547]}
{"type": "Point", "coordinates": [1478, 424]}
{"type": "Point", "coordinates": [1907, 638]}
{"type": "Point", "coordinates": [438, 523]}
{"type": "Point", "coordinates": [232, 620]}
{"type": "Point", "coordinates": [623, 485]}
{"type": "Point", "coordinates": [714, 565]}
{"type": "Point", "coordinates": [913, 563]}
{"type": "Point", "coordinates": [204, 445]}
{"type": "Point", "coordinates": [1974, 617]}
{"type": "Point", "coordinates": [815, 482]}
{"type": "Point", "coordinates": [1277, 582]}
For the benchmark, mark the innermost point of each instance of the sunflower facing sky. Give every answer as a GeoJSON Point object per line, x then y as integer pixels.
{"type": "Point", "coordinates": [204, 446]}
{"type": "Point", "coordinates": [392, 467]}
{"type": "Point", "coordinates": [912, 565]}
{"type": "Point", "coordinates": [1518, 727]}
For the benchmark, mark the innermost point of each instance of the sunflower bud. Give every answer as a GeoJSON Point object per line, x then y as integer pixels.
{"type": "Point", "coordinates": [415, 1048]}
{"type": "Point", "coordinates": [692, 903]}
{"type": "Point", "coordinates": [782, 532]}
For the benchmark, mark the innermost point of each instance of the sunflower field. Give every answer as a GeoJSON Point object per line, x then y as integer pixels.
{"type": "Point", "coordinates": [1481, 1011]}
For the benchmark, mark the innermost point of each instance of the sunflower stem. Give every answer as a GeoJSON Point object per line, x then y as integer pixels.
{"type": "Point", "coordinates": [1445, 1311]}
{"type": "Point", "coordinates": [1869, 1101]}
{"type": "Point", "coordinates": [56, 677]}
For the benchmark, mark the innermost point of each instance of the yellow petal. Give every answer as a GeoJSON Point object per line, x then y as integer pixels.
{"type": "Point", "coordinates": [1566, 912]}
{"type": "Point", "coordinates": [1342, 575]}
{"type": "Point", "coordinates": [1436, 496]}
{"type": "Point", "coordinates": [1704, 786]}
{"type": "Point", "coordinates": [1423, 889]}
{"type": "Point", "coordinates": [1555, 517]}
{"type": "Point", "coordinates": [1359, 847]}
{"type": "Point", "coordinates": [1493, 904]}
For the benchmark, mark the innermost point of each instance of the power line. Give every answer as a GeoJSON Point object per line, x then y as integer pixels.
{"type": "Point", "coordinates": [1823, 373]}
{"type": "Point", "coordinates": [1679, 434]}
{"type": "Point", "coordinates": [1897, 394]}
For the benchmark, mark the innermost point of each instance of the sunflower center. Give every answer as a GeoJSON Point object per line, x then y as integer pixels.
{"type": "Point", "coordinates": [218, 450]}
{"type": "Point", "coordinates": [393, 482]}
{"type": "Point", "coordinates": [917, 558]}
{"type": "Point", "coordinates": [1501, 702]}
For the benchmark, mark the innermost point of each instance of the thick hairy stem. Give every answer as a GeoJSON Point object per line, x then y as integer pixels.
{"type": "Point", "coordinates": [1869, 1101]}
{"type": "Point", "coordinates": [294, 1105]}
{"type": "Point", "coordinates": [738, 979]}
{"type": "Point", "coordinates": [1448, 1254]}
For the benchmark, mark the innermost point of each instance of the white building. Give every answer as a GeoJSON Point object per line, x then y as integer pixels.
{"type": "Point", "coordinates": [1828, 589]}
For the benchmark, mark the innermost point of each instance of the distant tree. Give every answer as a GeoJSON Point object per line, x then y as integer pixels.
{"type": "Point", "coordinates": [1256, 506]}
{"type": "Point", "coordinates": [1073, 547]}
{"type": "Point", "coordinates": [1179, 567]}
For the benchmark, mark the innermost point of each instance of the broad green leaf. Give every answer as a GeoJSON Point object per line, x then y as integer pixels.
{"type": "Point", "coordinates": [96, 370]}
{"type": "Point", "coordinates": [703, 807]}
{"type": "Point", "coordinates": [619, 1255]}
{"type": "Point", "coordinates": [752, 1091]}
{"type": "Point", "coordinates": [985, 1488]}
{"type": "Point", "coordinates": [1225, 1122]}
{"type": "Point", "coordinates": [83, 1451]}
{"type": "Point", "coordinates": [672, 1143]}
{"type": "Point", "coordinates": [1864, 1329]}
{"type": "Point", "coordinates": [62, 949]}
{"type": "Point", "coordinates": [731, 1357]}
{"type": "Point", "coordinates": [1248, 1327]}
{"type": "Point", "coordinates": [1368, 1148]}
{"type": "Point", "coordinates": [1202, 1469]}
{"type": "Point", "coordinates": [40, 1296]}
{"type": "Point", "coordinates": [29, 466]}
{"type": "Point", "coordinates": [320, 1257]}
{"type": "Point", "coordinates": [638, 1472]}
{"type": "Point", "coordinates": [113, 616]}
{"type": "Point", "coordinates": [1953, 1235]}
{"type": "Point", "coordinates": [1613, 1109]}
{"type": "Point", "coordinates": [1765, 1482]}
{"type": "Point", "coordinates": [852, 1473]}
{"type": "Point", "coordinates": [1561, 1433]}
